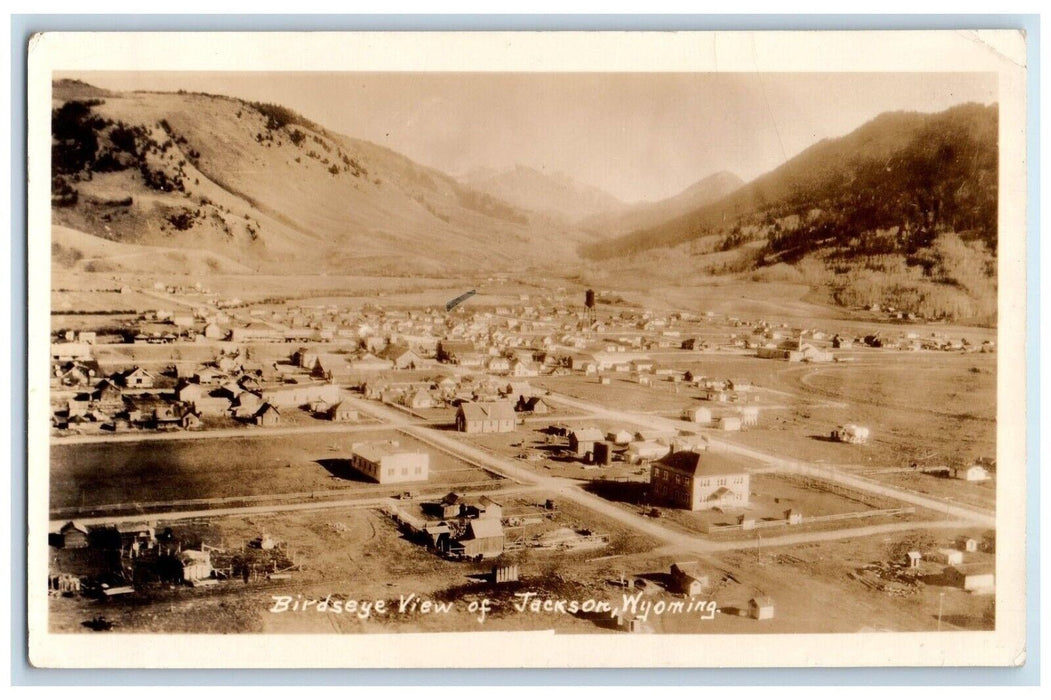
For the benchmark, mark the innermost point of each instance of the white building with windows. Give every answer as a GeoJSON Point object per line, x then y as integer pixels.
{"type": "Point", "coordinates": [700, 480]}
{"type": "Point", "coordinates": [386, 462]}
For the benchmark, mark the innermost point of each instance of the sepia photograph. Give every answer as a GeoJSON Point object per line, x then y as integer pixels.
{"type": "Point", "coordinates": [527, 349]}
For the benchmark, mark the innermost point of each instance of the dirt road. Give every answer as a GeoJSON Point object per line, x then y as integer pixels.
{"type": "Point", "coordinates": [966, 513]}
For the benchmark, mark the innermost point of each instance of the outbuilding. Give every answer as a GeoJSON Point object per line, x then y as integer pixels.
{"type": "Point", "coordinates": [74, 535]}
{"type": "Point", "coordinates": [484, 538]}
{"type": "Point", "coordinates": [761, 608]}
{"type": "Point", "coordinates": [697, 414]}
{"type": "Point", "coordinates": [688, 579]}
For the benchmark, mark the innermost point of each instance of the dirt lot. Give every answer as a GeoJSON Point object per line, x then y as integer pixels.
{"type": "Point", "coordinates": [354, 553]}
{"type": "Point", "coordinates": [622, 393]}
{"type": "Point", "coordinates": [838, 586]}
{"type": "Point", "coordinates": [148, 472]}
{"type": "Point", "coordinates": [771, 496]}
{"type": "Point", "coordinates": [358, 554]}
{"type": "Point", "coordinates": [928, 409]}
{"type": "Point", "coordinates": [99, 301]}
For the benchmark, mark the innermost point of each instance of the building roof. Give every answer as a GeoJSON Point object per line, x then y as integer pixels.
{"type": "Point", "coordinates": [534, 401]}
{"type": "Point", "coordinates": [705, 463]}
{"type": "Point", "coordinates": [488, 410]}
{"type": "Point", "coordinates": [74, 525]}
{"type": "Point", "coordinates": [688, 568]}
{"type": "Point", "coordinates": [267, 408]}
{"type": "Point", "coordinates": [587, 435]}
{"type": "Point", "coordinates": [484, 527]}
{"type": "Point", "coordinates": [375, 451]}
{"type": "Point", "coordinates": [195, 556]}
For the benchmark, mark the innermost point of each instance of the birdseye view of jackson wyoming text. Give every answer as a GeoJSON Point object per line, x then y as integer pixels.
{"type": "Point", "coordinates": [597, 353]}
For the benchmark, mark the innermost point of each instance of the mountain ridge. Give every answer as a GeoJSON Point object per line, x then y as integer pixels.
{"type": "Point", "coordinates": [556, 195]}
{"type": "Point", "coordinates": [645, 214]}
{"type": "Point", "coordinates": [260, 184]}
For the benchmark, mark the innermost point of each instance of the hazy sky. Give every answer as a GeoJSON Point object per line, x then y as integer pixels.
{"type": "Point", "coordinates": [638, 136]}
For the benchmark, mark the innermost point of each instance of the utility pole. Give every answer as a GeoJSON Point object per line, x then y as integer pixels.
{"type": "Point", "coordinates": [941, 602]}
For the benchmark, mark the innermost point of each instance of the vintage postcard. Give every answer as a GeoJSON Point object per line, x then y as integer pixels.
{"type": "Point", "coordinates": [527, 349]}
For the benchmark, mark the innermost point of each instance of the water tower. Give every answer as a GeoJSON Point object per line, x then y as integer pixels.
{"type": "Point", "coordinates": [589, 309]}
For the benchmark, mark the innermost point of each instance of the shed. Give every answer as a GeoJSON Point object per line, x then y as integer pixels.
{"type": "Point", "coordinates": [729, 423]}
{"type": "Point", "coordinates": [688, 579]}
{"type": "Point", "coordinates": [583, 440]}
{"type": "Point", "coordinates": [342, 413]}
{"type": "Point", "coordinates": [196, 565]}
{"type": "Point", "coordinates": [697, 414]}
{"type": "Point", "coordinates": [484, 538]}
{"type": "Point", "coordinates": [761, 608]}
{"type": "Point", "coordinates": [974, 472]}
{"type": "Point", "coordinates": [267, 415]}
{"type": "Point", "coordinates": [974, 579]}
{"type": "Point", "coordinates": [74, 535]}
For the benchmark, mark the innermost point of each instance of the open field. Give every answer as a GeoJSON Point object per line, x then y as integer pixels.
{"type": "Point", "coordinates": [772, 495]}
{"type": "Point", "coordinates": [344, 290]}
{"type": "Point", "coordinates": [624, 394]}
{"type": "Point", "coordinates": [89, 475]}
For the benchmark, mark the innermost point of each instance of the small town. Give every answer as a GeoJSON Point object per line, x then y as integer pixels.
{"type": "Point", "coordinates": [524, 443]}
{"type": "Point", "coordinates": [505, 342]}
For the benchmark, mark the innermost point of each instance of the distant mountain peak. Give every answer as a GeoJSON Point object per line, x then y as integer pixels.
{"type": "Point", "coordinates": [552, 193]}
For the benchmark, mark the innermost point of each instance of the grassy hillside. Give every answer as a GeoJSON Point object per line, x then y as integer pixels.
{"type": "Point", "coordinates": [260, 185]}
{"type": "Point", "coordinates": [901, 212]}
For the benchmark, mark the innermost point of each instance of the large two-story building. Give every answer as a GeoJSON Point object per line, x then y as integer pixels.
{"type": "Point", "coordinates": [699, 480]}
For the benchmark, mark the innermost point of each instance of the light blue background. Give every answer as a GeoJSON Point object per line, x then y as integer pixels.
{"type": "Point", "coordinates": [22, 26]}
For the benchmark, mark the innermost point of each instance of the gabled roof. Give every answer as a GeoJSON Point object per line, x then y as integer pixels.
{"type": "Point", "coordinates": [587, 435]}
{"type": "Point", "coordinates": [688, 568]}
{"type": "Point", "coordinates": [488, 410]}
{"type": "Point", "coordinates": [266, 408]}
{"type": "Point", "coordinates": [705, 463]}
{"type": "Point", "coordinates": [484, 527]}
{"type": "Point", "coordinates": [534, 401]}
{"type": "Point", "coordinates": [74, 525]}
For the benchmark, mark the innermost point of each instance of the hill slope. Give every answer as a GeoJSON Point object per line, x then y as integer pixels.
{"type": "Point", "coordinates": [922, 172]}
{"type": "Point", "coordinates": [266, 188]}
{"type": "Point", "coordinates": [556, 195]}
{"type": "Point", "coordinates": [900, 212]}
{"type": "Point", "coordinates": [649, 214]}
